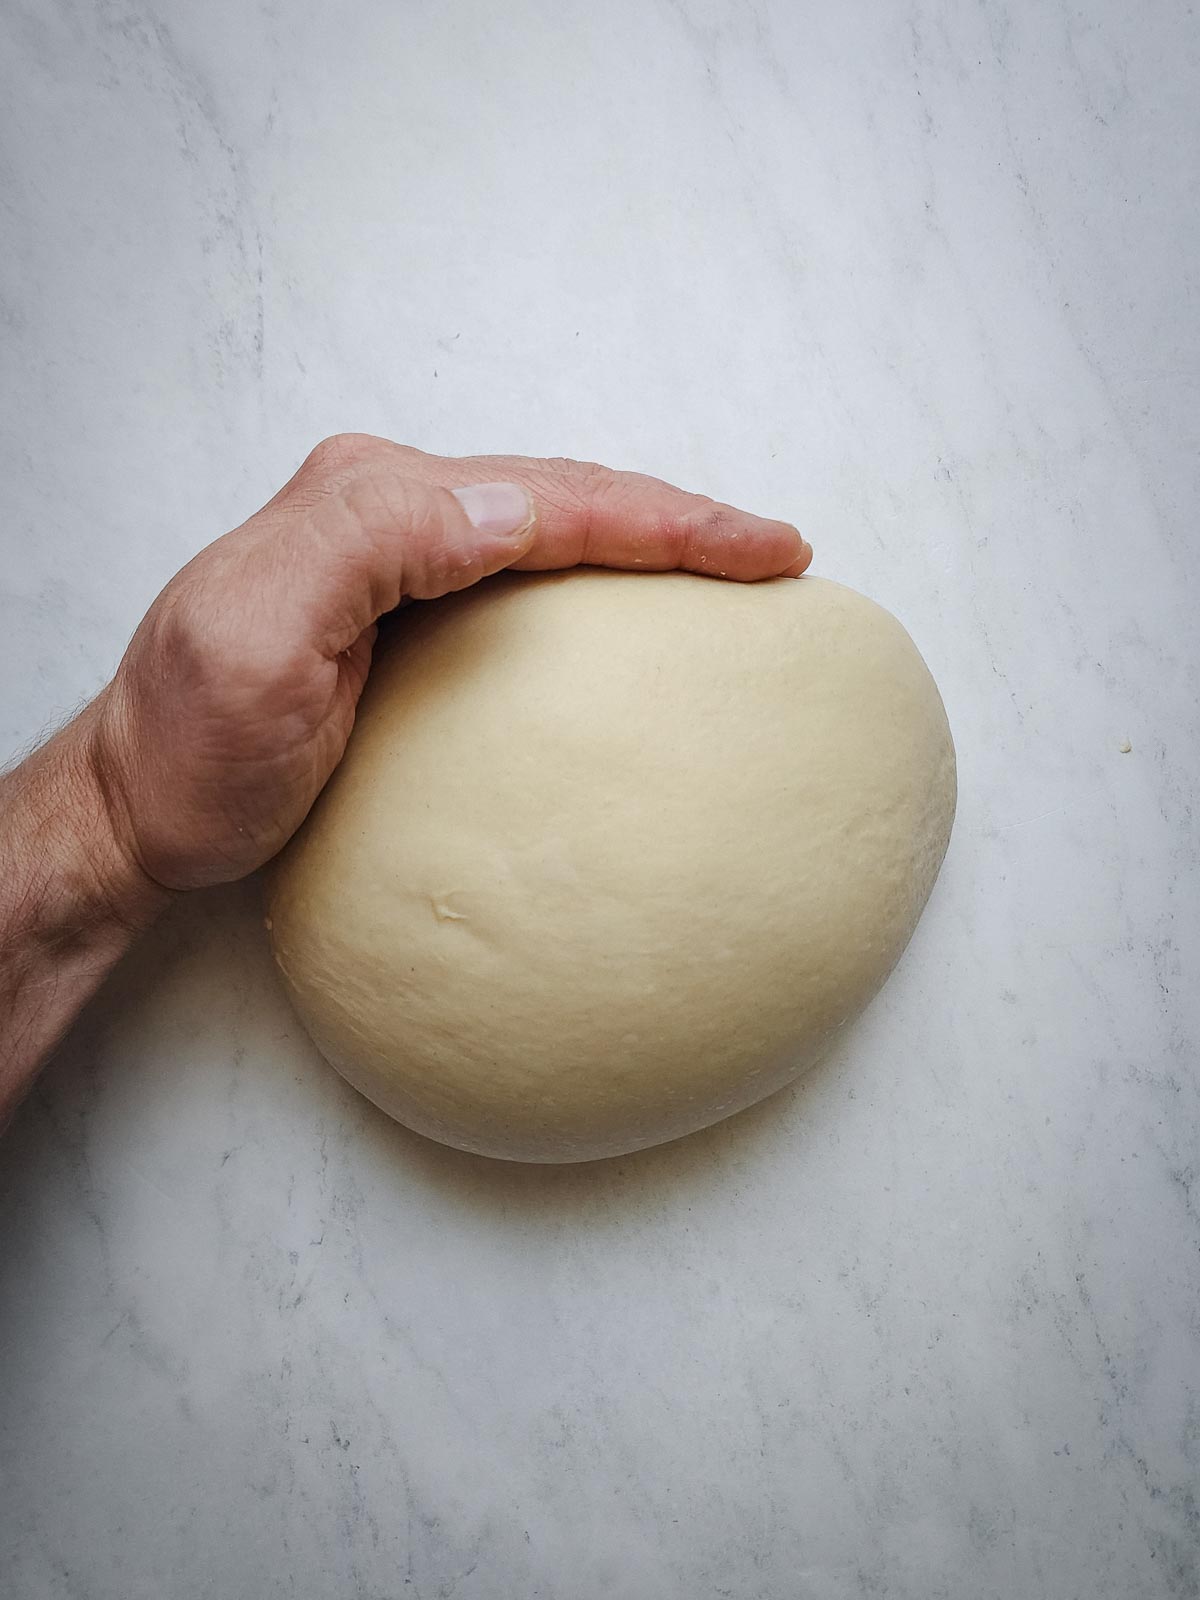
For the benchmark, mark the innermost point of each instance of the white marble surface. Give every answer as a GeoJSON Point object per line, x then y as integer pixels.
{"type": "Point", "coordinates": [923, 278]}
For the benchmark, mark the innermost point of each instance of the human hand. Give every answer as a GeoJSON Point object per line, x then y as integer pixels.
{"type": "Point", "coordinates": [235, 699]}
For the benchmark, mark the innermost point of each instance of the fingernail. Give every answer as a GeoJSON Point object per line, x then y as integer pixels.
{"type": "Point", "coordinates": [496, 508]}
{"type": "Point", "coordinates": [797, 568]}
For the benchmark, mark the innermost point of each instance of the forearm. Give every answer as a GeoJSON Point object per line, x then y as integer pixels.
{"type": "Point", "coordinates": [72, 900]}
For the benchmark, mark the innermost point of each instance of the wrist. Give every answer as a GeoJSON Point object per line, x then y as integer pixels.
{"type": "Point", "coordinates": [72, 899]}
{"type": "Point", "coordinates": [120, 890]}
{"type": "Point", "coordinates": [83, 882]}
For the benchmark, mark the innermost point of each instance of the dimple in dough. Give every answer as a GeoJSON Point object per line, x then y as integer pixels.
{"type": "Point", "coordinates": [611, 856]}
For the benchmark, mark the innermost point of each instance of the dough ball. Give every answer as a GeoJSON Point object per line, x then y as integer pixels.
{"type": "Point", "coordinates": [611, 856]}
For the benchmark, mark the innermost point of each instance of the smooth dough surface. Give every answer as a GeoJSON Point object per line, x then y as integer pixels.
{"type": "Point", "coordinates": [610, 856]}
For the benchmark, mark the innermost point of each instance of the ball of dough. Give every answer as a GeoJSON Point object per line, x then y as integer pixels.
{"type": "Point", "coordinates": [611, 856]}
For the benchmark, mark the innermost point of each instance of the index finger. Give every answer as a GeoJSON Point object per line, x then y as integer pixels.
{"type": "Point", "coordinates": [589, 514]}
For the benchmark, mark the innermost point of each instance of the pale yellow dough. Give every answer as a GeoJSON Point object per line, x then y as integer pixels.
{"type": "Point", "coordinates": [610, 856]}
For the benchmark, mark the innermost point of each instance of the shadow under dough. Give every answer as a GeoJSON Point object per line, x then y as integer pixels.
{"type": "Point", "coordinates": [216, 936]}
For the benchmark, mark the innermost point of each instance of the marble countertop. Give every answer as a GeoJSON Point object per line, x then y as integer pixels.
{"type": "Point", "coordinates": [921, 278]}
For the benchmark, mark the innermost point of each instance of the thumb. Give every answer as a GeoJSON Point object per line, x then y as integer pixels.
{"type": "Point", "coordinates": [472, 532]}
{"type": "Point", "coordinates": [450, 538]}
{"type": "Point", "coordinates": [384, 537]}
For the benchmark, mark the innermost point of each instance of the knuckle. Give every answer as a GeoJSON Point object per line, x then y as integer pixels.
{"type": "Point", "coordinates": [176, 645]}
{"type": "Point", "coordinates": [441, 560]}
{"type": "Point", "coordinates": [589, 477]}
{"type": "Point", "coordinates": [444, 569]}
{"type": "Point", "coordinates": [173, 618]}
{"type": "Point", "coordinates": [202, 630]}
{"type": "Point", "coordinates": [696, 523]}
{"type": "Point", "coordinates": [394, 535]}
{"type": "Point", "coordinates": [343, 452]}
{"type": "Point", "coordinates": [706, 520]}
{"type": "Point", "coordinates": [576, 489]}
{"type": "Point", "coordinates": [578, 483]}
{"type": "Point", "coordinates": [379, 506]}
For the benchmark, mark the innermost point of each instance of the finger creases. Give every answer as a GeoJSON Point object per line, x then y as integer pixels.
{"type": "Point", "coordinates": [591, 514]}
{"type": "Point", "coordinates": [664, 530]}
{"type": "Point", "coordinates": [394, 523]}
{"type": "Point", "coordinates": [383, 537]}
